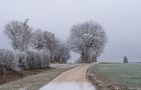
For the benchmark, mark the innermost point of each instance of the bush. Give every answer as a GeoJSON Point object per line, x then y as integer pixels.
{"type": "Point", "coordinates": [7, 60]}
{"type": "Point", "coordinates": [7, 63]}
{"type": "Point", "coordinates": [33, 60]}
{"type": "Point", "coordinates": [36, 60]}
{"type": "Point", "coordinates": [10, 60]}
{"type": "Point", "coordinates": [21, 57]}
{"type": "Point", "coordinates": [45, 59]}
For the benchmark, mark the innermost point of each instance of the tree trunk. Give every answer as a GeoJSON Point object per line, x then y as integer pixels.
{"type": "Point", "coordinates": [95, 59]}
{"type": "Point", "coordinates": [85, 57]}
{"type": "Point", "coordinates": [82, 57]}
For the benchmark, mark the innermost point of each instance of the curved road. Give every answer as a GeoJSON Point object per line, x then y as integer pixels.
{"type": "Point", "coordinates": [74, 79]}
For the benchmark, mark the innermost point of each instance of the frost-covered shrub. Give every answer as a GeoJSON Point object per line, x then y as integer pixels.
{"type": "Point", "coordinates": [33, 59]}
{"type": "Point", "coordinates": [45, 58]}
{"type": "Point", "coordinates": [7, 60]}
{"type": "Point", "coordinates": [21, 57]}
{"type": "Point", "coordinates": [37, 59]}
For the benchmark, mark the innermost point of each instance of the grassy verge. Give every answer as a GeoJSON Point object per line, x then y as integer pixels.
{"type": "Point", "coordinates": [13, 75]}
{"type": "Point", "coordinates": [37, 79]}
{"type": "Point", "coordinates": [127, 76]}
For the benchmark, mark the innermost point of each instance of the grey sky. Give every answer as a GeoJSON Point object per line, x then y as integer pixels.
{"type": "Point", "coordinates": [120, 18]}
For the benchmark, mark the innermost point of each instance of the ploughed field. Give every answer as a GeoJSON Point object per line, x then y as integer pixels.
{"type": "Point", "coordinates": [123, 75]}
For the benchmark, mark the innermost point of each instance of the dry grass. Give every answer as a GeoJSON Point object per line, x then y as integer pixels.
{"type": "Point", "coordinates": [35, 79]}
{"type": "Point", "coordinates": [13, 75]}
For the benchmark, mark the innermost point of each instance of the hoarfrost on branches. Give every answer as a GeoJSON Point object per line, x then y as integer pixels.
{"type": "Point", "coordinates": [21, 57]}
{"type": "Point", "coordinates": [87, 39]}
{"type": "Point", "coordinates": [7, 59]}
{"type": "Point", "coordinates": [19, 33]}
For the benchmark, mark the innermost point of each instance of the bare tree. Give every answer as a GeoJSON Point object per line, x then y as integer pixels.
{"type": "Point", "coordinates": [19, 33]}
{"type": "Point", "coordinates": [87, 39]}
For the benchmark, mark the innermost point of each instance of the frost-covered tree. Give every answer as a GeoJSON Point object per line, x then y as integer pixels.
{"type": "Point", "coordinates": [87, 39]}
{"type": "Point", "coordinates": [37, 40]}
{"type": "Point", "coordinates": [49, 40]}
{"type": "Point", "coordinates": [44, 40]}
{"type": "Point", "coordinates": [62, 53]}
{"type": "Point", "coordinates": [19, 33]}
{"type": "Point", "coordinates": [125, 60]}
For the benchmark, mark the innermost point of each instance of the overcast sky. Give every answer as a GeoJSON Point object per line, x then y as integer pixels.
{"type": "Point", "coordinates": [121, 19]}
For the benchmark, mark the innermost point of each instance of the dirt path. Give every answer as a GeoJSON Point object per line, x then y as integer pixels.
{"type": "Point", "coordinates": [74, 79]}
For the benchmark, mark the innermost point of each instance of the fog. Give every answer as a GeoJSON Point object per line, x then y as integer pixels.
{"type": "Point", "coordinates": [121, 20]}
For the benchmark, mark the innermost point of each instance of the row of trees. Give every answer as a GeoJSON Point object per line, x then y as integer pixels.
{"type": "Point", "coordinates": [36, 48]}
{"type": "Point", "coordinates": [23, 39]}
{"type": "Point", "coordinates": [44, 40]}
{"type": "Point", "coordinates": [32, 49]}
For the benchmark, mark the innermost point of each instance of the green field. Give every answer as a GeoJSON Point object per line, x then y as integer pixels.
{"type": "Point", "coordinates": [128, 75]}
